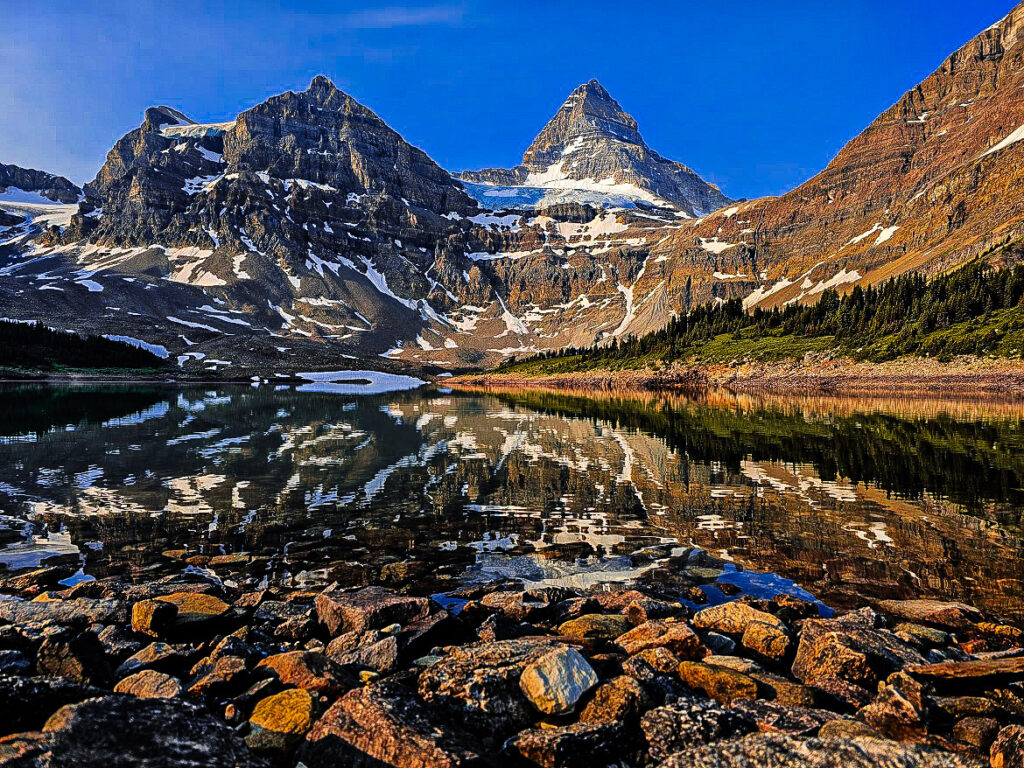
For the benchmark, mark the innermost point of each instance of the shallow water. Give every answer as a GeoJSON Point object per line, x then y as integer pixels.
{"type": "Point", "coordinates": [836, 498]}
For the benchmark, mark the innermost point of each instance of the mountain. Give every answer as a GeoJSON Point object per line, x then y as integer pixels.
{"type": "Point", "coordinates": [306, 233]}
{"type": "Point", "coordinates": [592, 147]}
{"type": "Point", "coordinates": [27, 185]}
{"type": "Point", "coordinates": [934, 181]}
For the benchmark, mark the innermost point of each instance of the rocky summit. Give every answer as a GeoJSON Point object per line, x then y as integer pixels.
{"type": "Point", "coordinates": [305, 232]}
{"type": "Point", "coordinates": [592, 151]}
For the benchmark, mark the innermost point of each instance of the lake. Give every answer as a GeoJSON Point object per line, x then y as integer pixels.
{"type": "Point", "coordinates": [840, 499]}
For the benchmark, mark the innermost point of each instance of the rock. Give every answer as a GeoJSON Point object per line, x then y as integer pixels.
{"type": "Point", "coordinates": [766, 640]}
{"type": "Point", "coordinates": [73, 613]}
{"type": "Point", "coordinates": [150, 684]}
{"type": "Point", "coordinates": [1007, 750]}
{"type": "Point", "coordinates": [676, 636]}
{"type": "Point", "coordinates": [921, 635]}
{"type": "Point", "coordinates": [309, 670]}
{"type": "Point", "coordinates": [980, 673]}
{"type": "Point", "coordinates": [159, 656]}
{"type": "Point", "coordinates": [772, 717]}
{"type": "Point", "coordinates": [690, 722]}
{"type": "Point", "coordinates": [894, 715]}
{"type": "Point", "coordinates": [367, 608]}
{"type": "Point", "coordinates": [719, 643]}
{"type": "Point", "coordinates": [79, 658]}
{"type": "Point", "coordinates": [279, 723]}
{"type": "Point", "coordinates": [603, 626]}
{"type": "Point", "coordinates": [722, 684]}
{"type": "Point", "coordinates": [649, 609]}
{"type": "Point", "coordinates": [371, 650]}
{"type": "Point", "coordinates": [953, 616]}
{"type": "Point", "coordinates": [617, 701]}
{"type": "Point", "coordinates": [582, 745]}
{"type": "Point", "coordinates": [386, 724]}
{"type": "Point", "coordinates": [26, 702]}
{"type": "Point", "coordinates": [955, 707]}
{"type": "Point", "coordinates": [847, 729]}
{"type": "Point", "coordinates": [196, 611]}
{"type": "Point", "coordinates": [15, 663]}
{"type": "Point", "coordinates": [147, 733]}
{"type": "Point", "coordinates": [153, 617]}
{"type": "Point", "coordinates": [780, 751]}
{"type": "Point", "coordinates": [219, 677]}
{"type": "Point", "coordinates": [846, 696]}
{"type": "Point", "coordinates": [479, 683]}
{"type": "Point", "coordinates": [556, 681]}
{"type": "Point", "coordinates": [978, 732]}
{"type": "Point", "coordinates": [119, 643]}
{"type": "Point", "coordinates": [732, 618]}
{"type": "Point", "coordinates": [850, 648]}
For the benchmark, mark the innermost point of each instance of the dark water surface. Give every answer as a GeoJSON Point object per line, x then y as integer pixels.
{"type": "Point", "coordinates": [844, 499]}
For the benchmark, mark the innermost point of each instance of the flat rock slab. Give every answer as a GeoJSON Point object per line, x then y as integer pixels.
{"type": "Point", "coordinates": [77, 612]}
{"type": "Point", "coordinates": [976, 672]}
{"type": "Point", "coordinates": [786, 752]}
{"type": "Point", "coordinates": [368, 608]}
{"type": "Point", "coordinates": [946, 615]}
{"type": "Point", "coordinates": [583, 745]}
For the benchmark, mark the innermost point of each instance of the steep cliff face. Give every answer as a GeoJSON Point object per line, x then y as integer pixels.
{"type": "Point", "coordinates": [592, 146]}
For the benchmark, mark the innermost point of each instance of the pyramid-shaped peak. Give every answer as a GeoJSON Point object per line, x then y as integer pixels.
{"type": "Point", "coordinates": [321, 84]}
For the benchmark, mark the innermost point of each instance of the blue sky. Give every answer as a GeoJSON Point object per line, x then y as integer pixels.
{"type": "Point", "coordinates": [755, 96]}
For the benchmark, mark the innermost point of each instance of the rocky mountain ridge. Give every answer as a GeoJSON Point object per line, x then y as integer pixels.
{"type": "Point", "coordinates": [306, 232]}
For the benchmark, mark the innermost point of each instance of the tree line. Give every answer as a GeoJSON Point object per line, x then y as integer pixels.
{"type": "Point", "coordinates": [31, 345]}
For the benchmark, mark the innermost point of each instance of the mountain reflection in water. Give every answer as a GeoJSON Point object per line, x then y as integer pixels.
{"type": "Point", "coordinates": [847, 499]}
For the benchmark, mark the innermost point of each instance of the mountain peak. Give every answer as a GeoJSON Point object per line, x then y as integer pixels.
{"type": "Point", "coordinates": [321, 84]}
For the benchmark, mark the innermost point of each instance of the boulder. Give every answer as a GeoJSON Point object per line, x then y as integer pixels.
{"type": "Point", "coordinates": [116, 731]}
{"type": "Point", "coordinates": [847, 729]}
{"type": "Point", "coordinates": [79, 658]}
{"type": "Point", "coordinates": [197, 612]}
{"type": "Point", "coordinates": [582, 745]}
{"type": "Point", "coordinates": [850, 648]}
{"type": "Point", "coordinates": [556, 681]}
{"type": "Point", "coordinates": [153, 617]}
{"type": "Point", "coordinates": [780, 751]}
{"type": "Point", "coordinates": [367, 608]}
{"type": "Point", "coordinates": [386, 724]}
{"type": "Point", "coordinates": [892, 714]}
{"type": "Point", "coordinates": [479, 683]}
{"type": "Point", "coordinates": [977, 732]}
{"type": "Point", "coordinates": [773, 717]}
{"type": "Point", "coordinates": [219, 677]}
{"type": "Point", "coordinates": [767, 641]}
{"type": "Point", "coordinates": [732, 618]}
{"type": "Point", "coordinates": [309, 670]}
{"type": "Point", "coordinates": [690, 722]}
{"type": "Point", "coordinates": [150, 684]}
{"type": "Point", "coordinates": [620, 700]}
{"type": "Point", "coordinates": [1007, 751]}
{"type": "Point", "coordinates": [603, 626]}
{"type": "Point", "coordinates": [365, 650]}
{"type": "Point", "coordinates": [722, 684]}
{"type": "Point", "coordinates": [280, 722]}
{"type": "Point", "coordinates": [27, 702]}
{"type": "Point", "coordinates": [676, 636]}
{"type": "Point", "coordinates": [159, 656]}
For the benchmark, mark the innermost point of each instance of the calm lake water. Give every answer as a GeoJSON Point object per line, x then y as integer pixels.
{"type": "Point", "coordinates": [842, 499]}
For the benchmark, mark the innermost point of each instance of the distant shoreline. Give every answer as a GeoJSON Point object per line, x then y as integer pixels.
{"type": "Point", "coordinates": [919, 377]}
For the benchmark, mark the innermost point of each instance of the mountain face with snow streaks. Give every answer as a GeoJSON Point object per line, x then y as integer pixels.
{"type": "Point", "coordinates": [306, 233]}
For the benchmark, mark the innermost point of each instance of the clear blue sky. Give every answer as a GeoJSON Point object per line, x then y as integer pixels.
{"type": "Point", "coordinates": [757, 96]}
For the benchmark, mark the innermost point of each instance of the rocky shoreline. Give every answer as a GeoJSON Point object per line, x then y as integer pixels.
{"type": "Point", "coordinates": [814, 374]}
{"type": "Point", "coordinates": [195, 670]}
